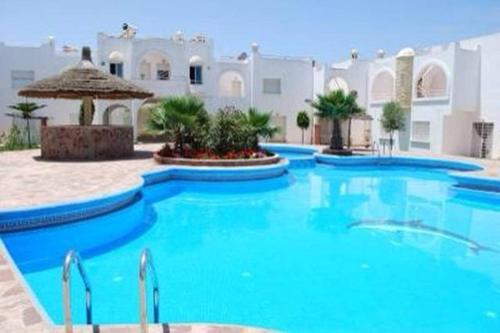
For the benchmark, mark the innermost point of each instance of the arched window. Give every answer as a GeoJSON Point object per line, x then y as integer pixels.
{"type": "Point", "coordinates": [196, 70]}
{"type": "Point", "coordinates": [338, 83]}
{"type": "Point", "coordinates": [116, 63]}
{"type": "Point", "coordinates": [231, 84]}
{"type": "Point", "coordinates": [383, 87]}
{"type": "Point", "coordinates": [154, 66]}
{"type": "Point", "coordinates": [431, 82]}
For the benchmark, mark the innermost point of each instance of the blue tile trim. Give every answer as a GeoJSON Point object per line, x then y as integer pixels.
{"type": "Point", "coordinates": [59, 213]}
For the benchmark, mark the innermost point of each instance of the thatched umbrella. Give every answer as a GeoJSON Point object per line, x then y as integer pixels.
{"type": "Point", "coordinates": [85, 82]}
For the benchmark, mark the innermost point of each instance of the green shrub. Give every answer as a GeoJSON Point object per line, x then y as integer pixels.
{"type": "Point", "coordinates": [231, 131]}
{"type": "Point", "coordinates": [13, 140]}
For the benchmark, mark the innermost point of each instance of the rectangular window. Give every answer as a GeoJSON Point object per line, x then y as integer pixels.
{"type": "Point", "coordinates": [116, 69]}
{"type": "Point", "coordinates": [271, 86]}
{"type": "Point", "coordinates": [420, 131]}
{"type": "Point", "coordinates": [21, 78]}
{"type": "Point", "coordinates": [195, 74]}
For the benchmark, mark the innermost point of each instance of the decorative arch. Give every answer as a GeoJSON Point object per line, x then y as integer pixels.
{"type": "Point", "coordinates": [117, 114]}
{"type": "Point", "coordinates": [338, 83]}
{"type": "Point", "coordinates": [143, 116]}
{"type": "Point", "coordinates": [382, 88]}
{"type": "Point", "coordinates": [154, 65]}
{"type": "Point", "coordinates": [432, 81]}
{"type": "Point", "coordinates": [116, 57]}
{"type": "Point", "coordinates": [196, 60]}
{"type": "Point", "coordinates": [231, 84]}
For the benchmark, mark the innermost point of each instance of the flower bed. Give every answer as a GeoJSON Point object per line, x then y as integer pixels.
{"type": "Point", "coordinates": [205, 157]}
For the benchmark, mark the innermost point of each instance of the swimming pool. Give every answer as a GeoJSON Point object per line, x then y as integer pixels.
{"type": "Point", "coordinates": [374, 248]}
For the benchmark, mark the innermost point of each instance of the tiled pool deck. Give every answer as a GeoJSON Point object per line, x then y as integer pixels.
{"type": "Point", "coordinates": [27, 181]}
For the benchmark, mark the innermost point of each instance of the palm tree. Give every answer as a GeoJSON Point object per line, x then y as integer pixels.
{"type": "Point", "coordinates": [352, 110]}
{"type": "Point", "coordinates": [393, 119]}
{"type": "Point", "coordinates": [333, 107]}
{"type": "Point", "coordinates": [27, 109]}
{"type": "Point", "coordinates": [303, 122]}
{"type": "Point", "coordinates": [262, 124]}
{"type": "Point", "coordinates": [178, 118]}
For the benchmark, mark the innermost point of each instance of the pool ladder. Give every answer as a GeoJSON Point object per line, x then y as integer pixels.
{"type": "Point", "coordinates": [145, 265]}
{"type": "Point", "coordinates": [73, 258]}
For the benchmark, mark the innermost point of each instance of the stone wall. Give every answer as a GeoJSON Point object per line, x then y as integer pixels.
{"type": "Point", "coordinates": [72, 142]}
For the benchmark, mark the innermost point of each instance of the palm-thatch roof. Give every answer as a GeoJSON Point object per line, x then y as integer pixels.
{"type": "Point", "coordinates": [84, 80]}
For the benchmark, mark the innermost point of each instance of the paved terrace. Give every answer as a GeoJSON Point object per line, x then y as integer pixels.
{"type": "Point", "coordinates": [28, 181]}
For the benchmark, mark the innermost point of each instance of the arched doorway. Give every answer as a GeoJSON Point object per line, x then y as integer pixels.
{"type": "Point", "coordinates": [383, 87]}
{"type": "Point", "coordinates": [117, 114]}
{"type": "Point", "coordinates": [337, 83]}
{"type": "Point", "coordinates": [143, 134]}
{"type": "Point", "coordinates": [231, 84]}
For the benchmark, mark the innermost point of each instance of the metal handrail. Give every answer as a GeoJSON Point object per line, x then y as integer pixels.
{"type": "Point", "coordinates": [72, 257]}
{"type": "Point", "coordinates": [145, 263]}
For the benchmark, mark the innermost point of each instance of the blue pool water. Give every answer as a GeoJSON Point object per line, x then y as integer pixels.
{"type": "Point", "coordinates": [319, 250]}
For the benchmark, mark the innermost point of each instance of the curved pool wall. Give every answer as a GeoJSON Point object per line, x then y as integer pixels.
{"type": "Point", "coordinates": [298, 156]}
{"type": "Point", "coordinates": [408, 161]}
{"type": "Point", "coordinates": [60, 213]}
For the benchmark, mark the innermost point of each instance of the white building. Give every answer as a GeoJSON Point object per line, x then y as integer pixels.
{"type": "Point", "coordinates": [451, 92]}
{"type": "Point", "coordinates": [169, 66]}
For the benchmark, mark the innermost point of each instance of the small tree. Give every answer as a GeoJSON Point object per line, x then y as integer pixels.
{"type": "Point", "coordinates": [393, 119]}
{"type": "Point", "coordinates": [182, 119]}
{"type": "Point", "coordinates": [27, 109]}
{"type": "Point", "coordinates": [303, 122]}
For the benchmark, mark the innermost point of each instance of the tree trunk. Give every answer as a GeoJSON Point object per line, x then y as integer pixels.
{"type": "Point", "coordinates": [391, 142]}
{"type": "Point", "coordinates": [87, 111]}
{"type": "Point", "coordinates": [349, 133]}
{"type": "Point", "coordinates": [302, 136]}
{"type": "Point", "coordinates": [336, 139]}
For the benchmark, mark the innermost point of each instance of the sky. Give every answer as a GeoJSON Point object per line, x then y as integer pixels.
{"type": "Point", "coordinates": [321, 29]}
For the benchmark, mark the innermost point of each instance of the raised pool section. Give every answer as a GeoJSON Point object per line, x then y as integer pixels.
{"type": "Point", "coordinates": [299, 156]}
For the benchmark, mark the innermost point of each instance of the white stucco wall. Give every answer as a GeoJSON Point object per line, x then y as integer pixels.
{"type": "Point", "coordinates": [44, 61]}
